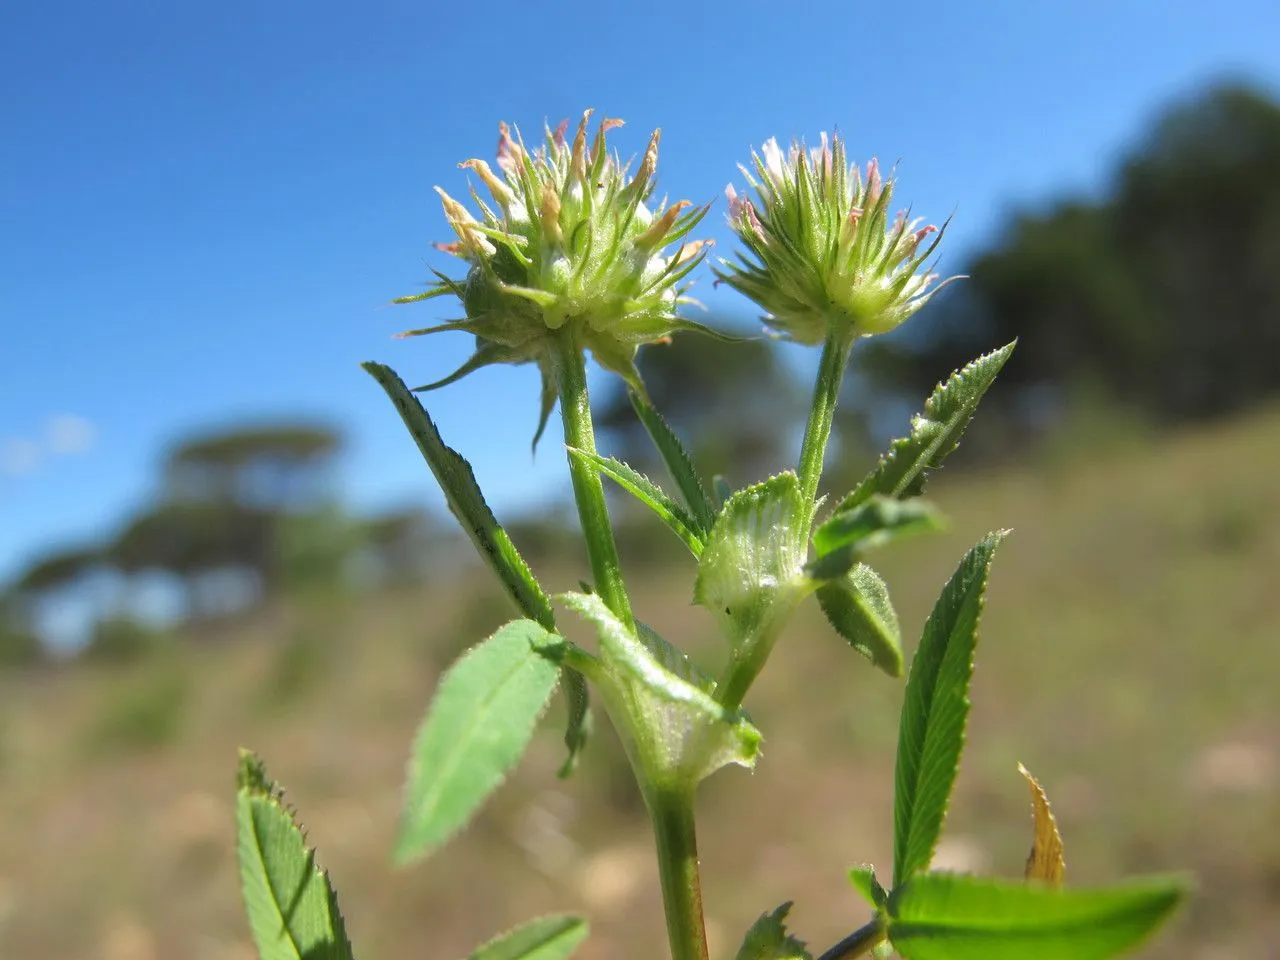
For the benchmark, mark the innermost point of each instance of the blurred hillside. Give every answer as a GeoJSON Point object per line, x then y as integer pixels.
{"type": "Point", "coordinates": [1128, 656]}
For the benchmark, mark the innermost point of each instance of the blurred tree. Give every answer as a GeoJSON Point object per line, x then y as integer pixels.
{"type": "Point", "coordinates": [1165, 293]}
{"type": "Point", "coordinates": [401, 544]}
{"type": "Point", "coordinates": [272, 468]}
{"type": "Point", "coordinates": [20, 646]}
{"type": "Point", "coordinates": [732, 404]}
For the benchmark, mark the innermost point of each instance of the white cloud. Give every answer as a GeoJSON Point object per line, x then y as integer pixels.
{"type": "Point", "coordinates": [68, 434]}
{"type": "Point", "coordinates": [18, 456]}
{"type": "Point", "coordinates": [64, 435]}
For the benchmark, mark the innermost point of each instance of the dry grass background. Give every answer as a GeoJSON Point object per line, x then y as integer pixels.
{"type": "Point", "coordinates": [1130, 657]}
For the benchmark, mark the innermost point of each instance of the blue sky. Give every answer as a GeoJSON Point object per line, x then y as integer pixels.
{"type": "Point", "coordinates": [205, 208]}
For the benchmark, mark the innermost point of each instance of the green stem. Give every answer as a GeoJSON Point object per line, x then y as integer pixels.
{"type": "Point", "coordinates": [575, 410]}
{"type": "Point", "coordinates": [673, 828]}
{"type": "Point", "coordinates": [835, 356]}
{"type": "Point", "coordinates": [859, 943]}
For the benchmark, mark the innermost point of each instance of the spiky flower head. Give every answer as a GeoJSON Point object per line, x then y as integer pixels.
{"type": "Point", "coordinates": [823, 257]}
{"type": "Point", "coordinates": [568, 245]}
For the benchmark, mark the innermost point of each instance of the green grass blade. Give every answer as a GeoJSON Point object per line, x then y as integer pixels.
{"type": "Point", "coordinates": [934, 712]}
{"type": "Point", "coordinates": [935, 433]}
{"type": "Point", "coordinates": [468, 505]}
{"type": "Point", "coordinates": [478, 726]}
{"type": "Point", "coordinates": [858, 607]}
{"type": "Point", "coordinates": [939, 916]}
{"type": "Point", "coordinates": [678, 462]}
{"type": "Point", "coordinates": [650, 494]}
{"type": "Point", "coordinates": [546, 938]}
{"type": "Point", "coordinates": [293, 911]}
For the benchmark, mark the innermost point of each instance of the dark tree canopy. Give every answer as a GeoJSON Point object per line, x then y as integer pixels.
{"type": "Point", "coordinates": [1166, 293]}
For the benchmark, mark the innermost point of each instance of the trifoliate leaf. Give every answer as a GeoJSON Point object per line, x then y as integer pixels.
{"type": "Point", "coordinates": [841, 539]}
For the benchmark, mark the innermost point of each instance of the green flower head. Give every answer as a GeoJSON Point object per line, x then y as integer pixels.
{"type": "Point", "coordinates": [823, 257]}
{"type": "Point", "coordinates": [568, 246]}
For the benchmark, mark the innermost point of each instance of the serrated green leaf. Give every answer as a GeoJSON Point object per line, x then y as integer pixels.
{"type": "Point", "coordinates": [934, 712]}
{"type": "Point", "coordinates": [681, 523]}
{"type": "Point", "coordinates": [687, 735]}
{"type": "Point", "coordinates": [935, 433]}
{"type": "Point", "coordinates": [878, 521]}
{"type": "Point", "coordinates": [939, 916]}
{"type": "Point", "coordinates": [751, 553]}
{"type": "Point", "coordinates": [858, 607]}
{"type": "Point", "coordinates": [678, 462]}
{"type": "Point", "coordinates": [863, 878]}
{"type": "Point", "coordinates": [768, 939]}
{"type": "Point", "coordinates": [468, 506]}
{"type": "Point", "coordinates": [478, 725]}
{"type": "Point", "coordinates": [546, 938]}
{"type": "Point", "coordinates": [292, 908]}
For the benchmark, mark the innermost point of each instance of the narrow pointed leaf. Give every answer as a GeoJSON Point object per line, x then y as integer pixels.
{"type": "Point", "coordinates": [934, 712]}
{"type": "Point", "coordinates": [468, 506]}
{"type": "Point", "coordinates": [648, 493]}
{"type": "Point", "coordinates": [878, 521]}
{"type": "Point", "coordinates": [293, 911]}
{"type": "Point", "coordinates": [546, 938]}
{"type": "Point", "coordinates": [678, 462]}
{"type": "Point", "coordinates": [1047, 861]}
{"type": "Point", "coordinates": [864, 880]}
{"type": "Point", "coordinates": [768, 939]}
{"type": "Point", "coordinates": [858, 607]}
{"type": "Point", "coordinates": [935, 433]}
{"type": "Point", "coordinates": [478, 725]}
{"type": "Point", "coordinates": [940, 916]}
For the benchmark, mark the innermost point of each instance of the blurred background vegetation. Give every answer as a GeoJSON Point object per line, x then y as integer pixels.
{"type": "Point", "coordinates": [1129, 656]}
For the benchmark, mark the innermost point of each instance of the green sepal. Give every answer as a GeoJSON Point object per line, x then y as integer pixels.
{"type": "Point", "coordinates": [857, 605]}
{"type": "Point", "coordinates": [935, 709]}
{"type": "Point", "coordinates": [863, 879]}
{"type": "Point", "coordinates": [942, 916]}
{"type": "Point", "coordinates": [768, 939]}
{"type": "Point", "coordinates": [678, 462]}
{"type": "Point", "coordinates": [479, 724]}
{"type": "Point", "coordinates": [468, 506]}
{"type": "Point", "coordinates": [292, 908]}
{"type": "Point", "coordinates": [545, 938]}
{"type": "Point", "coordinates": [677, 519]}
{"type": "Point", "coordinates": [671, 725]}
{"type": "Point", "coordinates": [935, 432]}
{"type": "Point", "coordinates": [880, 520]}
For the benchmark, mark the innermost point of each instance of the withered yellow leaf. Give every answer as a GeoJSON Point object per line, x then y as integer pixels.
{"type": "Point", "coordinates": [1046, 861]}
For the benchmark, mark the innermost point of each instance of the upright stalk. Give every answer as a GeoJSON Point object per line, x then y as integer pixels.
{"type": "Point", "coordinates": [671, 810]}
{"type": "Point", "coordinates": [588, 491]}
{"type": "Point", "coordinates": [835, 355]}
{"type": "Point", "coordinates": [673, 828]}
